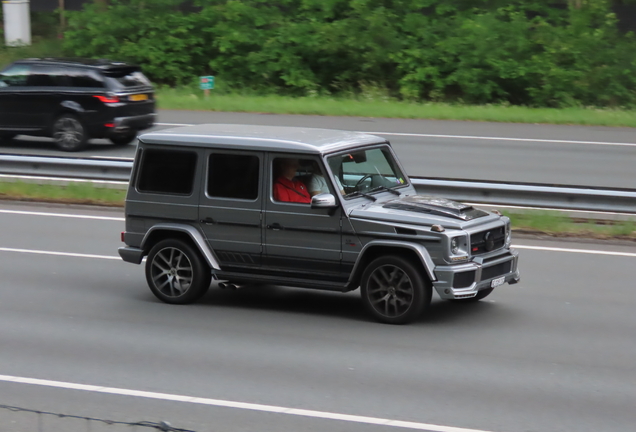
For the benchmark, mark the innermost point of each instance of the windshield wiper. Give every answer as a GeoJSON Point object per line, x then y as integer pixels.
{"type": "Point", "coordinates": [358, 193]}
{"type": "Point", "coordinates": [394, 192]}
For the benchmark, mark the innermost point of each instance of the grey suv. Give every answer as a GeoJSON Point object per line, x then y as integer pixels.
{"type": "Point", "coordinates": [221, 202]}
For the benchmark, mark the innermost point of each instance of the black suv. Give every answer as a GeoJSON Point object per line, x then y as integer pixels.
{"type": "Point", "coordinates": [73, 100]}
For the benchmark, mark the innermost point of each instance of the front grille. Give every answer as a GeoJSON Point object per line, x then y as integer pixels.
{"type": "Point", "coordinates": [464, 279]}
{"type": "Point", "coordinates": [496, 270]}
{"type": "Point", "coordinates": [487, 241]}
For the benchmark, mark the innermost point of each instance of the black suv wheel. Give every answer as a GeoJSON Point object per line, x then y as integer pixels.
{"type": "Point", "coordinates": [176, 272]}
{"type": "Point", "coordinates": [69, 133]}
{"type": "Point", "coordinates": [394, 291]}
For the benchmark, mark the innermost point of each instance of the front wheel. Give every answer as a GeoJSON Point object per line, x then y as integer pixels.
{"type": "Point", "coordinates": [69, 133]}
{"type": "Point", "coordinates": [176, 273]}
{"type": "Point", "coordinates": [394, 291]}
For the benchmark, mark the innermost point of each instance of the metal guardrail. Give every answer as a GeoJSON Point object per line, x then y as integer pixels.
{"type": "Point", "coordinates": [66, 167]}
{"type": "Point", "coordinates": [474, 191]}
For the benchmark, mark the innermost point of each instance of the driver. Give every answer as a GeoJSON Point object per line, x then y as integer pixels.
{"type": "Point", "coordinates": [286, 187]}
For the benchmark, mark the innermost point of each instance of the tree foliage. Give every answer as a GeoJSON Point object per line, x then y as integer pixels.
{"type": "Point", "coordinates": [525, 52]}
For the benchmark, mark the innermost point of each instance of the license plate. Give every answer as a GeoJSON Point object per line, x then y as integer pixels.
{"type": "Point", "coordinates": [138, 97]}
{"type": "Point", "coordinates": [497, 282]}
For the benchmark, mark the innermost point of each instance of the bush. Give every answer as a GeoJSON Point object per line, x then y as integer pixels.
{"type": "Point", "coordinates": [479, 51]}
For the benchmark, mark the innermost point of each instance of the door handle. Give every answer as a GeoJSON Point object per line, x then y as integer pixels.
{"type": "Point", "coordinates": [275, 227]}
{"type": "Point", "coordinates": [208, 221]}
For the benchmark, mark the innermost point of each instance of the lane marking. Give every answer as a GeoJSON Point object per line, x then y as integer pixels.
{"type": "Point", "coordinates": [69, 254]}
{"type": "Point", "coordinates": [63, 215]}
{"type": "Point", "coordinates": [603, 143]}
{"type": "Point", "coordinates": [583, 251]}
{"type": "Point", "coordinates": [238, 405]}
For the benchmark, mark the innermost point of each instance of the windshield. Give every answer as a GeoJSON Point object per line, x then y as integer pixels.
{"type": "Point", "coordinates": [365, 171]}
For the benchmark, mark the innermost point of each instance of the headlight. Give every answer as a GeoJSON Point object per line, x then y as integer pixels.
{"type": "Point", "coordinates": [455, 245]}
{"type": "Point", "coordinates": [508, 233]}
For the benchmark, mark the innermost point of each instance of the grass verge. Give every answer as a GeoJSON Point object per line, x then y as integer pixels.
{"type": "Point", "coordinates": [536, 222]}
{"type": "Point", "coordinates": [377, 105]}
{"type": "Point", "coordinates": [74, 193]}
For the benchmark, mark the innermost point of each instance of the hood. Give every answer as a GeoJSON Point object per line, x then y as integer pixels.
{"type": "Point", "coordinates": [420, 210]}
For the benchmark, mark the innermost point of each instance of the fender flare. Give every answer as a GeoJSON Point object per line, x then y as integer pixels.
{"type": "Point", "coordinates": [194, 234]}
{"type": "Point", "coordinates": [420, 251]}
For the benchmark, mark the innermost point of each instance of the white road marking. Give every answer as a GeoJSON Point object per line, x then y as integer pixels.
{"type": "Point", "coordinates": [603, 143]}
{"type": "Point", "coordinates": [68, 254]}
{"type": "Point", "coordinates": [121, 219]}
{"type": "Point", "coordinates": [238, 405]}
{"type": "Point", "coordinates": [63, 215]}
{"type": "Point", "coordinates": [583, 251]}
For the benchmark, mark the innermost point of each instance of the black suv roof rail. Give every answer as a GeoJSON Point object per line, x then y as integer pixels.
{"type": "Point", "coordinates": [98, 63]}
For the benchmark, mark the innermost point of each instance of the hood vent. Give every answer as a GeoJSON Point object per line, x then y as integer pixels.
{"type": "Point", "coordinates": [435, 206]}
{"type": "Point", "coordinates": [405, 231]}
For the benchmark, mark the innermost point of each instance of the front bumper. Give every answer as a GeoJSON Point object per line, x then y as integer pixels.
{"type": "Point", "coordinates": [466, 280]}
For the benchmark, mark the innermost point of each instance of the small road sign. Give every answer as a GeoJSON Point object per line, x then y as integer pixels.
{"type": "Point", "coordinates": [206, 82]}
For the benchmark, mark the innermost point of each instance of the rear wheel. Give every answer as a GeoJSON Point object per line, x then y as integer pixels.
{"type": "Point", "coordinates": [176, 273]}
{"type": "Point", "coordinates": [69, 133]}
{"type": "Point", "coordinates": [123, 139]}
{"type": "Point", "coordinates": [394, 291]}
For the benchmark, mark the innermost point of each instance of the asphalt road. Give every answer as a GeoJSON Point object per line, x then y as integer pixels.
{"type": "Point", "coordinates": [553, 353]}
{"type": "Point", "coordinates": [568, 155]}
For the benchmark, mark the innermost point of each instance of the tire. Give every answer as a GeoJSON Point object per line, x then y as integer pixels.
{"type": "Point", "coordinates": [394, 291]}
{"type": "Point", "coordinates": [176, 273]}
{"type": "Point", "coordinates": [480, 295]}
{"type": "Point", "coordinates": [69, 133]}
{"type": "Point", "coordinates": [123, 139]}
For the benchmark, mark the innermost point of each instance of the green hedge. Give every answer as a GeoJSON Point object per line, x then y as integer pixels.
{"type": "Point", "coordinates": [475, 51]}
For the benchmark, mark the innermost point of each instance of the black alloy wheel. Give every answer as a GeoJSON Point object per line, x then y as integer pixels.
{"type": "Point", "coordinates": [123, 139]}
{"type": "Point", "coordinates": [69, 133]}
{"type": "Point", "coordinates": [176, 273]}
{"type": "Point", "coordinates": [394, 290]}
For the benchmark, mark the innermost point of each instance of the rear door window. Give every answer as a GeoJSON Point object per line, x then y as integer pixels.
{"type": "Point", "coordinates": [83, 78]}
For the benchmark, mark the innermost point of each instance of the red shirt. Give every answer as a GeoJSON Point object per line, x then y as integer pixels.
{"type": "Point", "coordinates": [290, 191]}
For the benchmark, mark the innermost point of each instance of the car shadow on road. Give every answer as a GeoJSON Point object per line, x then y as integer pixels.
{"type": "Point", "coordinates": [347, 306]}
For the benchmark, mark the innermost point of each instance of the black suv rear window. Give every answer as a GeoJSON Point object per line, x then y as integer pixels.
{"type": "Point", "coordinates": [233, 176]}
{"type": "Point", "coordinates": [167, 171]}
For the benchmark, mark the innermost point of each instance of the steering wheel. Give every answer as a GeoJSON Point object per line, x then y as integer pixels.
{"type": "Point", "coordinates": [366, 176]}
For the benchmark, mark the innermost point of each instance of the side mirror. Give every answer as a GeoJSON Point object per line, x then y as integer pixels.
{"type": "Point", "coordinates": [325, 200]}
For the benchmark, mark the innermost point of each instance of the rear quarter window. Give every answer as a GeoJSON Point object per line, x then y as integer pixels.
{"type": "Point", "coordinates": [126, 78]}
{"type": "Point", "coordinates": [167, 172]}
